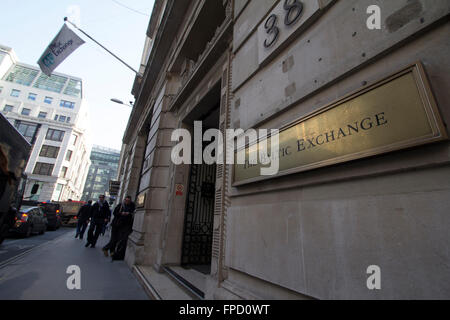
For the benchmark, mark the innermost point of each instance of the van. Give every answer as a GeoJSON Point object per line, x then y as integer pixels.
{"type": "Point", "coordinates": [53, 212]}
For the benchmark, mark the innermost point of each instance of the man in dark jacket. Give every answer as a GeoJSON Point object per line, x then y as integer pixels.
{"type": "Point", "coordinates": [84, 214]}
{"type": "Point", "coordinates": [122, 226]}
{"type": "Point", "coordinates": [100, 214]}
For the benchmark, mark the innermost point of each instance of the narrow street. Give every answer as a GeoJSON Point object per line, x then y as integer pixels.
{"type": "Point", "coordinates": [35, 268]}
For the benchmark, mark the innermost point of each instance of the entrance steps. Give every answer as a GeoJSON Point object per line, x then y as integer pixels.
{"type": "Point", "coordinates": [175, 283]}
{"type": "Point", "coordinates": [190, 280]}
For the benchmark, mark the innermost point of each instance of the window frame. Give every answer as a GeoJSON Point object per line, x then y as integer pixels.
{"type": "Point", "coordinates": [41, 113]}
{"type": "Point", "coordinates": [21, 125]}
{"type": "Point", "coordinates": [50, 152]}
{"type": "Point", "coordinates": [69, 155]}
{"type": "Point", "coordinates": [43, 168]}
{"type": "Point", "coordinates": [67, 104]}
{"type": "Point", "coordinates": [8, 105]}
{"type": "Point", "coordinates": [75, 139]}
{"type": "Point", "coordinates": [15, 91]}
{"type": "Point", "coordinates": [52, 136]}
{"type": "Point", "coordinates": [63, 173]}
{"type": "Point", "coordinates": [31, 94]}
{"type": "Point", "coordinates": [48, 98]}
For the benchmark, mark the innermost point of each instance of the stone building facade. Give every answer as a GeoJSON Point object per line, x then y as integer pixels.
{"type": "Point", "coordinates": [317, 229]}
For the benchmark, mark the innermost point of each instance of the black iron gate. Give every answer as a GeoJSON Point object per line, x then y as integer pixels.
{"type": "Point", "coordinates": [198, 225]}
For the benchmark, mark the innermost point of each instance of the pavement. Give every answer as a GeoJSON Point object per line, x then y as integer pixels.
{"type": "Point", "coordinates": [36, 269]}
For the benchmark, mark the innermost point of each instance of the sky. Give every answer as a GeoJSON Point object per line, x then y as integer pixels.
{"type": "Point", "coordinates": [28, 26]}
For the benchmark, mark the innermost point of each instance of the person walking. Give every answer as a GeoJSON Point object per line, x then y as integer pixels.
{"type": "Point", "coordinates": [100, 214]}
{"type": "Point", "coordinates": [84, 214]}
{"type": "Point", "coordinates": [122, 226]}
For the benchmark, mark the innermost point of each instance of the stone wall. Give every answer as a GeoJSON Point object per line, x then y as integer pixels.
{"type": "Point", "coordinates": [314, 234]}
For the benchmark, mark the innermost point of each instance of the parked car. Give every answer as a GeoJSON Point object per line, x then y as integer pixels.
{"type": "Point", "coordinates": [29, 220]}
{"type": "Point", "coordinates": [53, 214]}
{"type": "Point", "coordinates": [51, 211]}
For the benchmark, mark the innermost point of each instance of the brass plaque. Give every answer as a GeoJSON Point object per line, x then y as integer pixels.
{"type": "Point", "coordinates": [395, 113]}
{"type": "Point", "coordinates": [140, 201]}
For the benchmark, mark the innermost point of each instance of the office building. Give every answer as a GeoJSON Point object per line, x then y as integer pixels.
{"type": "Point", "coordinates": [103, 169]}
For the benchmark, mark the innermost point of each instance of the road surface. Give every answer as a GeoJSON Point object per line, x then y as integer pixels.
{"type": "Point", "coordinates": [36, 268]}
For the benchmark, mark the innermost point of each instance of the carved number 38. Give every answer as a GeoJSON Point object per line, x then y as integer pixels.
{"type": "Point", "coordinates": [293, 12]}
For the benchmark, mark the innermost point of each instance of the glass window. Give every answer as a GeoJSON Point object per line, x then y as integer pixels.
{"type": "Point", "coordinates": [8, 108]}
{"type": "Point", "coordinates": [49, 152]}
{"type": "Point", "coordinates": [62, 118]}
{"type": "Point", "coordinates": [58, 190]}
{"type": "Point", "coordinates": [26, 112]}
{"type": "Point", "coordinates": [42, 115]}
{"type": "Point", "coordinates": [53, 83]}
{"type": "Point", "coordinates": [55, 135]}
{"type": "Point", "coordinates": [22, 75]}
{"type": "Point", "coordinates": [68, 120]}
{"type": "Point", "coordinates": [1, 89]}
{"type": "Point", "coordinates": [69, 155]}
{"type": "Point", "coordinates": [15, 93]}
{"type": "Point", "coordinates": [63, 172]}
{"type": "Point", "coordinates": [28, 130]}
{"type": "Point", "coordinates": [48, 100]}
{"type": "Point", "coordinates": [32, 96]}
{"type": "Point", "coordinates": [67, 104]}
{"type": "Point", "coordinates": [35, 197]}
{"type": "Point", "coordinates": [73, 88]}
{"type": "Point", "coordinates": [44, 169]}
{"type": "Point", "coordinates": [74, 139]}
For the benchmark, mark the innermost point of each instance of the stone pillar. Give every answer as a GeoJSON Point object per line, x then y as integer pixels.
{"type": "Point", "coordinates": [131, 185]}
{"type": "Point", "coordinates": [159, 192]}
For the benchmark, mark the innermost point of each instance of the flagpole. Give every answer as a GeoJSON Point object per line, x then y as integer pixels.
{"type": "Point", "coordinates": [67, 20]}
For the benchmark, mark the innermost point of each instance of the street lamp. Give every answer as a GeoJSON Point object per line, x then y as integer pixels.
{"type": "Point", "coordinates": [121, 102]}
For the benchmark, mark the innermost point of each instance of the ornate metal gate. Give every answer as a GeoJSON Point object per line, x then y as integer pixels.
{"type": "Point", "coordinates": [198, 225]}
